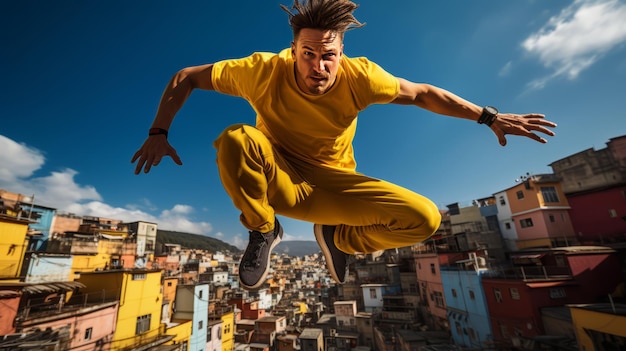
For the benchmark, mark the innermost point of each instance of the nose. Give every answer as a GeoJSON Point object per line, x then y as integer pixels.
{"type": "Point", "coordinates": [318, 65]}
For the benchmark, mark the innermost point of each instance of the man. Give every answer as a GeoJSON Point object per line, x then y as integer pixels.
{"type": "Point", "coordinates": [298, 160]}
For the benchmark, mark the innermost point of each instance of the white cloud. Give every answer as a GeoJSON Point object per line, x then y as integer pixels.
{"type": "Point", "coordinates": [506, 69]}
{"type": "Point", "coordinates": [19, 162]}
{"type": "Point", "coordinates": [239, 241]}
{"type": "Point", "coordinates": [577, 38]}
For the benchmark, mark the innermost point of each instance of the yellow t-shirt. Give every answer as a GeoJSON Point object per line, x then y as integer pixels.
{"type": "Point", "coordinates": [317, 129]}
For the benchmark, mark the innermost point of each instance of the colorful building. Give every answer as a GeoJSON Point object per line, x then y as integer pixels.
{"type": "Point", "coordinates": [546, 278]}
{"type": "Point", "coordinates": [594, 182]}
{"type": "Point", "coordinates": [140, 303]}
{"type": "Point", "coordinates": [13, 245]}
{"type": "Point", "coordinates": [600, 326]}
{"type": "Point", "coordinates": [468, 314]}
{"type": "Point", "coordinates": [540, 213]}
{"type": "Point", "coordinates": [192, 303]}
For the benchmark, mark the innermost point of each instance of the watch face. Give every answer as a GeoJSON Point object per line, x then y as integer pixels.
{"type": "Point", "coordinates": [492, 110]}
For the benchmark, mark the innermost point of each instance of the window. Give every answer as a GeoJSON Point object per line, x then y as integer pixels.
{"type": "Point", "coordinates": [612, 213]}
{"type": "Point", "coordinates": [200, 324]}
{"type": "Point", "coordinates": [551, 218]}
{"type": "Point", "coordinates": [439, 301]}
{"type": "Point", "coordinates": [497, 294]}
{"type": "Point", "coordinates": [208, 333]}
{"type": "Point", "coordinates": [139, 276]}
{"type": "Point", "coordinates": [507, 225]}
{"type": "Point", "coordinates": [549, 194]}
{"type": "Point", "coordinates": [143, 324]}
{"type": "Point", "coordinates": [200, 294]}
{"type": "Point", "coordinates": [472, 334]}
{"type": "Point", "coordinates": [526, 222]}
{"type": "Point", "coordinates": [557, 293]}
{"type": "Point", "coordinates": [185, 346]}
{"type": "Point", "coordinates": [514, 293]}
{"type": "Point", "coordinates": [88, 333]}
{"type": "Point", "coordinates": [453, 292]}
{"type": "Point", "coordinates": [372, 293]}
{"type": "Point", "coordinates": [504, 331]}
{"type": "Point", "coordinates": [520, 195]}
{"type": "Point", "coordinates": [169, 283]}
{"type": "Point", "coordinates": [471, 295]}
{"type": "Point", "coordinates": [502, 202]}
{"type": "Point", "coordinates": [432, 268]}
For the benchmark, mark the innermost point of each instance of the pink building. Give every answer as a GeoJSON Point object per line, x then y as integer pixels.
{"type": "Point", "coordinates": [9, 304]}
{"type": "Point", "coordinates": [90, 327]}
{"type": "Point", "coordinates": [540, 213]}
{"type": "Point", "coordinates": [431, 290]}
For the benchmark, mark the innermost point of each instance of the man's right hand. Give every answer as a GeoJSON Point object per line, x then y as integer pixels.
{"type": "Point", "coordinates": [152, 151]}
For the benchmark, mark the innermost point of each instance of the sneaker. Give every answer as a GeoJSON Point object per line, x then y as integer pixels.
{"type": "Point", "coordinates": [255, 263]}
{"type": "Point", "coordinates": [336, 260]}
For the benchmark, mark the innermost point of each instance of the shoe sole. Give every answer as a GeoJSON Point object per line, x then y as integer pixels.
{"type": "Point", "coordinates": [319, 236]}
{"type": "Point", "coordinates": [267, 268]}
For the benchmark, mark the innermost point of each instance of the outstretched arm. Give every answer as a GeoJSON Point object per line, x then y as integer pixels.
{"type": "Point", "coordinates": [155, 147]}
{"type": "Point", "coordinates": [446, 103]}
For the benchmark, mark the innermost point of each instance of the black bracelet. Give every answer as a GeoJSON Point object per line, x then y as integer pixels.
{"type": "Point", "coordinates": [157, 131]}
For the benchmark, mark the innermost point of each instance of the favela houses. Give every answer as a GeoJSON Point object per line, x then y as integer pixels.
{"type": "Point", "coordinates": [540, 265]}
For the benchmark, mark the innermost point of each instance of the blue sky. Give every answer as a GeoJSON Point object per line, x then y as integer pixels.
{"type": "Point", "coordinates": [82, 80]}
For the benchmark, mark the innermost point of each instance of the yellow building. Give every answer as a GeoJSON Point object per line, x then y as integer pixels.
{"type": "Point", "coordinates": [83, 263]}
{"type": "Point", "coordinates": [181, 333]}
{"type": "Point", "coordinates": [13, 243]}
{"type": "Point", "coordinates": [228, 330]}
{"type": "Point", "coordinates": [600, 325]}
{"type": "Point", "coordinates": [140, 298]}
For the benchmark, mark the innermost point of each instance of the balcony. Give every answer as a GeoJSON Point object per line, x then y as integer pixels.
{"type": "Point", "coordinates": [530, 273]}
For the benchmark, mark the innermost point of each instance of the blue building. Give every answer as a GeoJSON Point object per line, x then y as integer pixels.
{"type": "Point", "coordinates": [40, 229]}
{"type": "Point", "coordinates": [192, 303]}
{"type": "Point", "coordinates": [466, 305]}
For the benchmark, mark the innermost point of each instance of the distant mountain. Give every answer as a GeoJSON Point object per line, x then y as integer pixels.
{"type": "Point", "coordinates": [191, 241]}
{"type": "Point", "coordinates": [297, 248]}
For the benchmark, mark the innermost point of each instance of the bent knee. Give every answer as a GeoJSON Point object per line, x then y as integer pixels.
{"type": "Point", "coordinates": [237, 134]}
{"type": "Point", "coordinates": [431, 220]}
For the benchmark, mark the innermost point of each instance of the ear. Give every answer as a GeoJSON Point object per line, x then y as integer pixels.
{"type": "Point", "coordinates": [293, 49]}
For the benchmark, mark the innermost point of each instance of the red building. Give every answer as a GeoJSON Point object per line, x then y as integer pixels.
{"type": "Point", "coordinates": [594, 182]}
{"type": "Point", "coordinates": [543, 278]}
{"type": "Point", "coordinates": [599, 216]}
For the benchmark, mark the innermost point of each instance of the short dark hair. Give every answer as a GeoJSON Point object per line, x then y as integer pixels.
{"type": "Point", "coordinates": [333, 15]}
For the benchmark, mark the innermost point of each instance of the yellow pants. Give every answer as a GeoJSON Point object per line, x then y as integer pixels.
{"type": "Point", "coordinates": [370, 214]}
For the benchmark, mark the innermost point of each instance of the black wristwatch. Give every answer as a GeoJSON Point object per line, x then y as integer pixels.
{"type": "Point", "coordinates": [489, 115]}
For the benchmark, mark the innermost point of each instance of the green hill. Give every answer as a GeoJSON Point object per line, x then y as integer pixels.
{"type": "Point", "coordinates": [191, 241]}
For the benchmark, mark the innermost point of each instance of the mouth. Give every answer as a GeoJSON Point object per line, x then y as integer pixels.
{"type": "Point", "coordinates": [318, 79]}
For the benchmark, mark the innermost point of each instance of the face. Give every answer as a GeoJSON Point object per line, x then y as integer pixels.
{"type": "Point", "coordinates": [317, 55]}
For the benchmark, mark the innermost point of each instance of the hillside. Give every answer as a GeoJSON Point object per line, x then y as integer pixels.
{"type": "Point", "coordinates": [191, 241]}
{"type": "Point", "coordinates": [297, 248]}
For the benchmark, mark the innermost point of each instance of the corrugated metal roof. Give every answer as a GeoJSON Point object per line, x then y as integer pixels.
{"type": "Point", "coordinates": [9, 293]}
{"type": "Point", "coordinates": [51, 287]}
